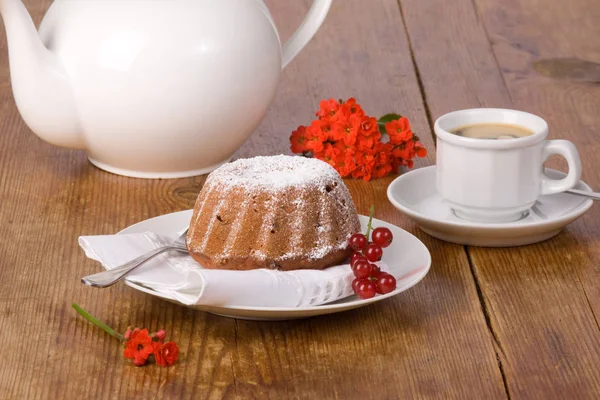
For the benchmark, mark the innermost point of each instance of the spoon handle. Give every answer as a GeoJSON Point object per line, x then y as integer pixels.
{"type": "Point", "coordinates": [110, 277]}
{"type": "Point", "coordinates": [591, 195]}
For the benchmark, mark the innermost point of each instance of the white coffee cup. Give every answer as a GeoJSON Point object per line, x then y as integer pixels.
{"type": "Point", "coordinates": [486, 180]}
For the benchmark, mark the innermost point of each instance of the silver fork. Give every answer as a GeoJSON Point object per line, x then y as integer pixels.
{"type": "Point", "coordinates": [110, 277]}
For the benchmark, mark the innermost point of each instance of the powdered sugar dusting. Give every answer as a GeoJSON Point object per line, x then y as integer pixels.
{"type": "Point", "coordinates": [322, 250]}
{"type": "Point", "coordinates": [216, 211]}
{"type": "Point", "coordinates": [295, 186]}
{"type": "Point", "coordinates": [315, 253]}
{"type": "Point", "coordinates": [236, 228]}
{"type": "Point", "coordinates": [274, 172]}
{"type": "Point", "coordinates": [200, 211]}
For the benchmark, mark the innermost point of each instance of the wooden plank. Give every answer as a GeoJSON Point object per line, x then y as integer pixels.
{"type": "Point", "coordinates": [421, 359]}
{"type": "Point", "coordinates": [542, 300]}
{"type": "Point", "coordinates": [426, 342]}
{"type": "Point", "coordinates": [364, 56]}
{"type": "Point", "coordinates": [50, 196]}
{"type": "Point", "coordinates": [430, 341]}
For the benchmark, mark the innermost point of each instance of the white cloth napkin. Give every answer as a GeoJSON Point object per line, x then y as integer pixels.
{"type": "Point", "coordinates": [177, 276]}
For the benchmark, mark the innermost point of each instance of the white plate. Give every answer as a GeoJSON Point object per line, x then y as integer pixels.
{"type": "Point", "coordinates": [415, 195]}
{"type": "Point", "coordinates": [407, 257]}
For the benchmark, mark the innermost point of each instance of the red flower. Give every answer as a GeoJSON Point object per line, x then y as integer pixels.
{"type": "Point", "coordinates": [368, 126]}
{"type": "Point", "coordinates": [328, 108]}
{"type": "Point", "coordinates": [365, 157]}
{"type": "Point", "coordinates": [165, 354]}
{"type": "Point", "coordinates": [139, 347]}
{"type": "Point", "coordinates": [347, 129]}
{"type": "Point", "coordinates": [329, 154]}
{"type": "Point", "coordinates": [351, 107]}
{"type": "Point", "coordinates": [383, 152]}
{"type": "Point", "coordinates": [365, 161]}
{"type": "Point", "coordinates": [382, 170]}
{"type": "Point", "coordinates": [362, 171]}
{"type": "Point", "coordinates": [367, 142]}
{"type": "Point", "coordinates": [298, 140]}
{"type": "Point", "coordinates": [345, 164]}
{"type": "Point", "coordinates": [315, 137]}
{"type": "Point", "coordinates": [350, 141]}
{"type": "Point", "coordinates": [404, 151]}
{"type": "Point", "coordinates": [160, 335]}
{"type": "Point", "coordinates": [345, 150]}
{"type": "Point", "coordinates": [398, 125]}
{"type": "Point", "coordinates": [399, 130]}
{"type": "Point", "coordinates": [383, 160]}
{"type": "Point", "coordinates": [325, 126]}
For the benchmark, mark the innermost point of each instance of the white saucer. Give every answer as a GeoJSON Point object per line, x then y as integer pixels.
{"type": "Point", "coordinates": [415, 195]}
{"type": "Point", "coordinates": [407, 257]}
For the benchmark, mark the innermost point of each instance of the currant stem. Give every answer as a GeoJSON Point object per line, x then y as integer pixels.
{"type": "Point", "coordinates": [98, 323]}
{"type": "Point", "coordinates": [369, 225]}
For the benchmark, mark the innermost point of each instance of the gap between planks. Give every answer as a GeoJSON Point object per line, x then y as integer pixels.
{"type": "Point", "coordinates": [587, 299]}
{"type": "Point", "coordinates": [490, 44]}
{"type": "Point", "coordinates": [487, 38]}
{"type": "Point", "coordinates": [484, 307]}
{"type": "Point", "coordinates": [418, 75]}
{"type": "Point", "coordinates": [488, 322]}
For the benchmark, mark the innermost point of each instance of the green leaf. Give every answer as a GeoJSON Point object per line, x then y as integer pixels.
{"type": "Point", "coordinates": [388, 118]}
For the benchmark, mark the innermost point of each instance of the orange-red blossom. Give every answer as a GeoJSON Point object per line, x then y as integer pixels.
{"type": "Point", "coordinates": [351, 141]}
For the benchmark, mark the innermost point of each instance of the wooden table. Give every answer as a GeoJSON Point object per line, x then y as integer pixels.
{"type": "Point", "coordinates": [485, 323]}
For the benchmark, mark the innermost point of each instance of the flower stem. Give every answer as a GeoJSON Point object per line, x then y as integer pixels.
{"type": "Point", "coordinates": [369, 225]}
{"type": "Point", "coordinates": [98, 323]}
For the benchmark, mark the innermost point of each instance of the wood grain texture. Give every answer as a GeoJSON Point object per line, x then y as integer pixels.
{"type": "Point", "coordinates": [541, 300]}
{"type": "Point", "coordinates": [52, 195]}
{"type": "Point", "coordinates": [411, 346]}
{"type": "Point", "coordinates": [432, 341]}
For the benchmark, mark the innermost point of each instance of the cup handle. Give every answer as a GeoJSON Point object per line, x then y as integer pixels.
{"type": "Point", "coordinates": [569, 152]}
{"type": "Point", "coordinates": [311, 24]}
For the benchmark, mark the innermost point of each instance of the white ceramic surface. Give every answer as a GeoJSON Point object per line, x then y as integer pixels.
{"type": "Point", "coordinates": [414, 194]}
{"type": "Point", "coordinates": [407, 257]}
{"type": "Point", "coordinates": [498, 180]}
{"type": "Point", "coordinates": [151, 89]}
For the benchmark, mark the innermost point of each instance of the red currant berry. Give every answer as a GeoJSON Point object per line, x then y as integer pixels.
{"type": "Point", "coordinates": [356, 259]}
{"type": "Point", "coordinates": [385, 283]}
{"type": "Point", "coordinates": [358, 241]}
{"type": "Point", "coordinates": [362, 269]}
{"type": "Point", "coordinates": [373, 252]}
{"type": "Point", "coordinates": [354, 255]}
{"type": "Point", "coordinates": [366, 289]}
{"type": "Point", "coordinates": [355, 283]}
{"type": "Point", "coordinates": [375, 271]}
{"type": "Point", "coordinates": [382, 236]}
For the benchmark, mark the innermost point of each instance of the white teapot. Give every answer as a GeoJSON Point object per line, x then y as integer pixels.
{"type": "Point", "coordinates": [149, 88]}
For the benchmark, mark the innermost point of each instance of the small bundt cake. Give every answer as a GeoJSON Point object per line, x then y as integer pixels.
{"type": "Point", "coordinates": [278, 212]}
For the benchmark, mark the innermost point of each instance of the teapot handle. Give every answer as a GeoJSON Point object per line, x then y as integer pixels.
{"type": "Point", "coordinates": [309, 26]}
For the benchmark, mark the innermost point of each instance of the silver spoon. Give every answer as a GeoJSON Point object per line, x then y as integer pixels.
{"type": "Point", "coordinates": [110, 277]}
{"type": "Point", "coordinates": [591, 195]}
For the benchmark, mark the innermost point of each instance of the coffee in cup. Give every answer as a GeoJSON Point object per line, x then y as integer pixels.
{"type": "Point", "coordinates": [490, 163]}
{"type": "Point", "coordinates": [492, 131]}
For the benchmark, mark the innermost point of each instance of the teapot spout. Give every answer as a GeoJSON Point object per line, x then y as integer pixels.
{"type": "Point", "coordinates": [40, 82]}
